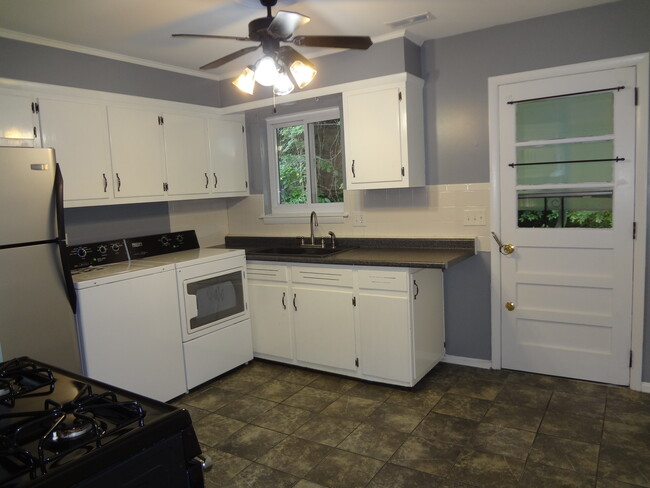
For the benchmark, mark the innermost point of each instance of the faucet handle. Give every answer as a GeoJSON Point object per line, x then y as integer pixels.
{"type": "Point", "coordinates": [333, 236]}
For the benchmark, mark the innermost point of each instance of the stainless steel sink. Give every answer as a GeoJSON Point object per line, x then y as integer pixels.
{"type": "Point", "coordinates": [297, 251]}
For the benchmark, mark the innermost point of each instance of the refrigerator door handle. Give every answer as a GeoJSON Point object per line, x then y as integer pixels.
{"type": "Point", "coordinates": [60, 224]}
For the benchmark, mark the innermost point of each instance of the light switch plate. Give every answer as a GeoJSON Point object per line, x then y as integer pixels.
{"type": "Point", "coordinates": [474, 216]}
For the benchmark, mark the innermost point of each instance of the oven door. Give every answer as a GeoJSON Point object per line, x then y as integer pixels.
{"type": "Point", "coordinates": [213, 301]}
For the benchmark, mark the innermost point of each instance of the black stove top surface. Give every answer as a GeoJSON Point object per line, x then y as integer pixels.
{"type": "Point", "coordinates": [58, 428]}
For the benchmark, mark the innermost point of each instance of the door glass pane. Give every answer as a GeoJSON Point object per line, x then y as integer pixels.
{"type": "Point", "coordinates": [566, 172]}
{"type": "Point", "coordinates": [328, 160]}
{"type": "Point", "coordinates": [565, 117]}
{"type": "Point", "coordinates": [292, 168]}
{"type": "Point", "coordinates": [580, 208]}
{"type": "Point", "coordinates": [217, 298]}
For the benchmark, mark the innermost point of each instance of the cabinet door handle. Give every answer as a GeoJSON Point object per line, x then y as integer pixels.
{"type": "Point", "coordinates": [207, 180]}
{"type": "Point", "coordinates": [353, 173]}
{"type": "Point", "coordinates": [417, 290]}
{"type": "Point", "coordinates": [105, 182]}
{"type": "Point", "coordinates": [216, 180]}
{"type": "Point", "coordinates": [294, 302]}
{"type": "Point", "coordinates": [119, 181]}
{"type": "Point", "coordinates": [284, 304]}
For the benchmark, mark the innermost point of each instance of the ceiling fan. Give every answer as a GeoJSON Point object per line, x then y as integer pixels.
{"type": "Point", "coordinates": [279, 61]}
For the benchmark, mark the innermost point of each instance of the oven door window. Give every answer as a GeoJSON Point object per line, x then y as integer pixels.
{"type": "Point", "coordinates": [217, 298]}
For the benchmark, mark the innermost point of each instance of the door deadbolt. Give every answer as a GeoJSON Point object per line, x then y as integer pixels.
{"type": "Point", "coordinates": [510, 306]}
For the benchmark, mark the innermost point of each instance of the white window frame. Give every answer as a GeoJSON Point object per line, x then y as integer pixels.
{"type": "Point", "coordinates": [304, 118]}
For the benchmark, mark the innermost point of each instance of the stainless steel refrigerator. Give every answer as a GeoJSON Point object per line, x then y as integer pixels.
{"type": "Point", "coordinates": [37, 297]}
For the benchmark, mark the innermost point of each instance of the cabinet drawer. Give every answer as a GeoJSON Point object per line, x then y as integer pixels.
{"type": "Point", "coordinates": [266, 272]}
{"type": "Point", "coordinates": [380, 279]}
{"type": "Point", "coordinates": [321, 275]}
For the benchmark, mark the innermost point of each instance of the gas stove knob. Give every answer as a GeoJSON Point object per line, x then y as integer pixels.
{"type": "Point", "coordinates": [102, 249]}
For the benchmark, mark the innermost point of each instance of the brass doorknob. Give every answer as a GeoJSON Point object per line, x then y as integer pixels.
{"type": "Point", "coordinates": [508, 249]}
{"type": "Point", "coordinates": [510, 306]}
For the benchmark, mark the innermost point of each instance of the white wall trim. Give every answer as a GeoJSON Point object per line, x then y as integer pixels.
{"type": "Point", "coordinates": [641, 63]}
{"type": "Point", "coordinates": [645, 387]}
{"type": "Point", "coordinates": [463, 361]}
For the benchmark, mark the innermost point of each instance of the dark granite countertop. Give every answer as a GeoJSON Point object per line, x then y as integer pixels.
{"type": "Point", "coordinates": [395, 252]}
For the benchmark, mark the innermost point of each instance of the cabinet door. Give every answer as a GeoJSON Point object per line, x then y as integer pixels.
{"type": "Point", "coordinates": [372, 123]}
{"type": "Point", "coordinates": [17, 124]}
{"type": "Point", "coordinates": [228, 157]}
{"type": "Point", "coordinates": [324, 326]}
{"type": "Point", "coordinates": [270, 318]}
{"type": "Point", "coordinates": [137, 152]}
{"type": "Point", "coordinates": [385, 335]}
{"type": "Point", "coordinates": [78, 132]}
{"type": "Point", "coordinates": [186, 154]}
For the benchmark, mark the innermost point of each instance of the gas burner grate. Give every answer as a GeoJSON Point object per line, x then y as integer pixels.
{"type": "Point", "coordinates": [21, 378]}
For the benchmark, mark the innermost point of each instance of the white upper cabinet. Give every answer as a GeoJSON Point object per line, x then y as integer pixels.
{"type": "Point", "coordinates": [78, 131]}
{"type": "Point", "coordinates": [186, 154]}
{"type": "Point", "coordinates": [228, 157]}
{"type": "Point", "coordinates": [17, 120]}
{"type": "Point", "coordinates": [384, 135]}
{"type": "Point", "coordinates": [137, 152]}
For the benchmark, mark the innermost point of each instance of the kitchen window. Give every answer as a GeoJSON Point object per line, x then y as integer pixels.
{"type": "Point", "coordinates": [306, 162]}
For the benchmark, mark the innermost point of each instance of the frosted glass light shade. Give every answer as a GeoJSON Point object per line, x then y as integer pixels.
{"type": "Point", "coordinates": [302, 73]}
{"type": "Point", "coordinates": [246, 81]}
{"type": "Point", "coordinates": [283, 85]}
{"type": "Point", "coordinates": [266, 71]}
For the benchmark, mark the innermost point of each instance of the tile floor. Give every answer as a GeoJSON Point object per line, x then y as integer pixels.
{"type": "Point", "coordinates": [268, 425]}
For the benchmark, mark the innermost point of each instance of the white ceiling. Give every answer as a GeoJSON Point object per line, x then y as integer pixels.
{"type": "Point", "coordinates": [140, 30]}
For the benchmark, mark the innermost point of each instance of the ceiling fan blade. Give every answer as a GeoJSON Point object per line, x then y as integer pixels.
{"type": "Point", "coordinates": [209, 36]}
{"type": "Point", "coordinates": [342, 42]}
{"type": "Point", "coordinates": [229, 57]}
{"type": "Point", "coordinates": [285, 23]}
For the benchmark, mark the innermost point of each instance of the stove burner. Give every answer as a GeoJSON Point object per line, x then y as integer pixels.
{"type": "Point", "coordinates": [80, 427]}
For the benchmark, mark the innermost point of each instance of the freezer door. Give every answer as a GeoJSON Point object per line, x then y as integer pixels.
{"type": "Point", "coordinates": [35, 317]}
{"type": "Point", "coordinates": [27, 205]}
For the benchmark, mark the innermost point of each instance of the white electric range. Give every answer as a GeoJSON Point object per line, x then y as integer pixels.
{"type": "Point", "coordinates": [175, 311]}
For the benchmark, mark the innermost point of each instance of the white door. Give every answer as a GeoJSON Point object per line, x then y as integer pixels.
{"type": "Point", "coordinates": [186, 154]}
{"type": "Point", "coordinates": [566, 165]}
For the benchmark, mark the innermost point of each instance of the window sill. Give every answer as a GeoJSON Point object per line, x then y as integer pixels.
{"type": "Point", "coordinates": [303, 218]}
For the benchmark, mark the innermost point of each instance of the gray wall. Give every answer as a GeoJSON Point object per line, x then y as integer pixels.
{"type": "Point", "coordinates": [456, 70]}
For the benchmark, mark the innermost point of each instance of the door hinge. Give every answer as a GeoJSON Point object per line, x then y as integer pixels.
{"type": "Point", "coordinates": [161, 120]}
{"type": "Point", "coordinates": [354, 301]}
{"type": "Point", "coordinates": [399, 96]}
{"type": "Point", "coordinates": [246, 184]}
{"type": "Point", "coordinates": [402, 170]}
{"type": "Point", "coordinates": [636, 96]}
{"type": "Point", "coordinates": [356, 362]}
{"type": "Point", "coordinates": [35, 108]}
{"type": "Point", "coordinates": [35, 133]}
{"type": "Point", "coordinates": [242, 129]}
{"type": "Point", "coordinates": [165, 187]}
{"type": "Point", "coordinates": [633, 230]}
{"type": "Point", "coordinates": [630, 359]}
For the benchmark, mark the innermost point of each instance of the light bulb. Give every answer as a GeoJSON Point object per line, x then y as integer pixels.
{"type": "Point", "coordinates": [246, 81]}
{"type": "Point", "coordinates": [266, 72]}
{"type": "Point", "coordinates": [302, 73]}
{"type": "Point", "coordinates": [283, 85]}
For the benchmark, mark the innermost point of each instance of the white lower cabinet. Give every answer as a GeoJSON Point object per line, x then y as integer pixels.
{"type": "Point", "coordinates": [379, 324]}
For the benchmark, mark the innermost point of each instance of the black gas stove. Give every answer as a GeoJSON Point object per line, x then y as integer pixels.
{"type": "Point", "coordinates": [59, 429]}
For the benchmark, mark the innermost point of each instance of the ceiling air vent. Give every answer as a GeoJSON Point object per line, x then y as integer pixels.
{"type": "Point", "coordinates": [408, 21]}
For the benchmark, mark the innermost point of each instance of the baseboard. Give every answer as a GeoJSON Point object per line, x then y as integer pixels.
{"type": "Point", "coordinates": [475, 363]}
{"type": "Point", "coordinates": [645, 387]}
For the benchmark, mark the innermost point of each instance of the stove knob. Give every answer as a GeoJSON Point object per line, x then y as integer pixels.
{"type": "Point", "coordinates": [115, 247]}
{"type": "Point", "coordinates": [180, 238]}
{"type": "Point", "coordinates": [102, 249]}
{"type": "Point", "coordinates": [81, 252]}
{"type": "Point", "coordinates": [164, 240]}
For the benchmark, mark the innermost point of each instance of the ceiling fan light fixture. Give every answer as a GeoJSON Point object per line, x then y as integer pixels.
{"type": "Point", "coordinates": [283, 85]}
{"type": "Point", "coordinates": [302, 72]}
{"type": "Point", "coordinates": [246, 81]}
{"type": "Point", "coordinates": [266, 71]}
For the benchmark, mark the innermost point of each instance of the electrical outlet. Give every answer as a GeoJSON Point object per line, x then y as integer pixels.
{"type": "Point", "coordinates": [474, 216]}
{"type": "Point", "coordinates": [358, 219]}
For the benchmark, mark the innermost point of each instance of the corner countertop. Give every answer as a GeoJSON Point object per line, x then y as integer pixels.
{"type": "Point", "coordinates": [393, 252]}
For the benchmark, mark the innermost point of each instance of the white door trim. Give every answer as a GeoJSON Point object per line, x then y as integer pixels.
{"type": "Point", "coordinates": [642, 64]}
